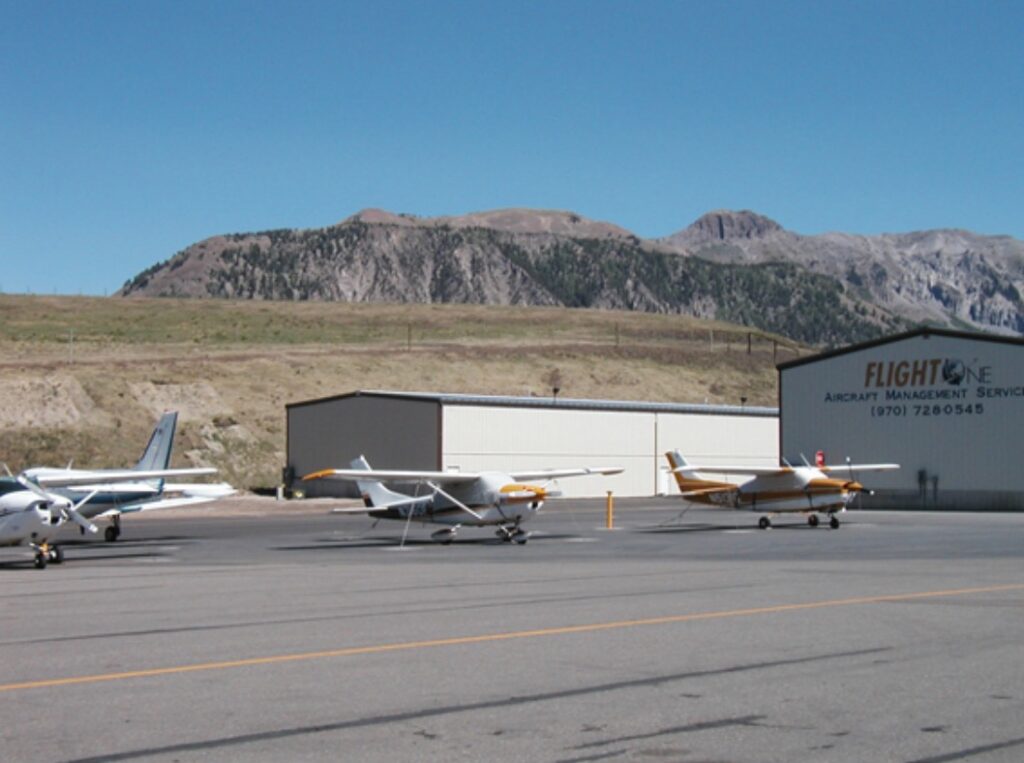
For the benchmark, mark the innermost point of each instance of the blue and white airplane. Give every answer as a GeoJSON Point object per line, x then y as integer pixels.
{"type": "Point", "coordinates": [32, 515]}
{"type": "Point", "coordinates": [109, 493]}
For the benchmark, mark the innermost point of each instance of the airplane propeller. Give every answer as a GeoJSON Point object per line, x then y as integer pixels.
{"type": "Point", "coordinates": [855, 481]}
{"type": "Point", "coordinates": [67, 510]}
{"type": "Point", "coordinates": [71, 511]}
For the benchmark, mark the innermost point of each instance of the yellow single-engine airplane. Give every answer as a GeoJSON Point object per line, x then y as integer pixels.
{"type": "Point", "coordinates": [476, 499]}
{"type": "Point", "coordinates": [772, 490]}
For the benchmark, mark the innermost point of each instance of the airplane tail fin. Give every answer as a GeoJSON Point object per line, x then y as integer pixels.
{"type": "Point", "coordinates": [157, 454]}
{"type": "Point", "coordinates": [687, 479]}
{"type": "Point", "coordinates": [373, 492]}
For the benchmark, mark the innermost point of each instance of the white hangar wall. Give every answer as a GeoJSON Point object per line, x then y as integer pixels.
{"type": "Point", "coordinates": [947, 406]}
{"type": "Point", "coordinates": [634, 436]}
{"type": "Point", "coordinates": [481, 433]}
{"type": "Point", "coordinates": [512, 438]}
{"type": "Point", "coordinates": [479, 438]}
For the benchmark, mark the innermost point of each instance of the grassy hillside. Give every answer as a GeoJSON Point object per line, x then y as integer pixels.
{"type": "Point", "coordinates": [85, 378]}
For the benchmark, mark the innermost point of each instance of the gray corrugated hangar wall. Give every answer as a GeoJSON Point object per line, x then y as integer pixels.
{"type": "Point", "coordinates": [490, 433]}
{"type": "Point", "coordinates": [392, 432]}
{"type": "Point", "coordinates": [947, 406]}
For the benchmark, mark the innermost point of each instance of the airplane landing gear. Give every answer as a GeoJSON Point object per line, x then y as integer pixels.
{"type": "Point", "coordinates": [833, 522]}
{"type": "Point", "coordinates": [45, 554]}
{"type": "Point", "coordinates": [512, 534]}
{"type": "Point", "coordinates": [764, 523]}
{"type": "Point", "coordinates": [113, 531]}
{"type": "Point", "coordinates": [812, 520]}
{"type": "Point", "coordinates": [446, 536]}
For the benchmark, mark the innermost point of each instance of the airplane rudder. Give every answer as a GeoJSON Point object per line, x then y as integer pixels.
{"type": "Point", "coordinates": [157, 454]}
{"type": "Point", "coordinates": [686, 479]}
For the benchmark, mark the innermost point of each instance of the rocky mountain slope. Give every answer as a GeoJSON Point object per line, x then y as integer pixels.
{"type": "Point", "coordinates": [944, 277]}
{"type": "Point", "coordinates": [733, 266]}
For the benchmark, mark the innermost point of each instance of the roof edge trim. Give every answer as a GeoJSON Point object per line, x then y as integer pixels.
{"type": "Point", "coordinates": [921, 331]}
{"type": "Point", "coordinates": [502, 401]}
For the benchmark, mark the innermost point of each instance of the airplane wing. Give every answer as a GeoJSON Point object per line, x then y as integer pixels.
{"type": "Point", "coordinates": [393, 475]}
{"type": "Point", "coordinates": [753, 471]}
{"type": "Point", "coordinates": [553, 474]}
{"type": "Point", "coordinates": [854, 468]}
{"type": "Point", "coordinates": [102, 477]}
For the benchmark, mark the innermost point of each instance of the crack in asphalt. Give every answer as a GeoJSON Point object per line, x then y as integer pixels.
{"type": "Point", "coordinates": [435, 712]}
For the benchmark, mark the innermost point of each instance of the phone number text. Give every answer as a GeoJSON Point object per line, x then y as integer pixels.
{"type": "Point", "coordinates": [949, 409]}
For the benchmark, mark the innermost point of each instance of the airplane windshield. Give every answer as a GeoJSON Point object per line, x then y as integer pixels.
{"type": "Point", "coordinates": [8, 485]}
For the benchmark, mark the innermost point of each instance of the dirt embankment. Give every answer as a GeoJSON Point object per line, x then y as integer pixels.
{"type": "Point", "coordinates": [95, 401]}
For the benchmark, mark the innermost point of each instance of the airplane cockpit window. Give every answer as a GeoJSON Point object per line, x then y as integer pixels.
{"type": "Point", "coordinates": [8, 485]}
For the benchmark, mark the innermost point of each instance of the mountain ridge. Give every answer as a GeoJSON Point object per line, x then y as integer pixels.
{"type": "Point", "coordinates": [740, 266]}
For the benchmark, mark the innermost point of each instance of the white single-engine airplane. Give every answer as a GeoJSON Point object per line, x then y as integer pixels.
{"type": "Point", "coordinates": [775, 490]}
{"type": "Point", "coordinates": [31, 514]}
{"type": "Point", "coordinates": [110, 498]}
{"type": "Point", "coordinates": [476, 499]}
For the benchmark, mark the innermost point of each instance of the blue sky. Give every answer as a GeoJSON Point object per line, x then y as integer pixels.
{"type": "Point", "coordinates": [130, 130]}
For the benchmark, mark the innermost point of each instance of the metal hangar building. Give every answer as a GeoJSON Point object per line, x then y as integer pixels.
{"type": "Point", "coordinates": [947, 406]}
{"type": "Point", "coordinates": [432, 431]}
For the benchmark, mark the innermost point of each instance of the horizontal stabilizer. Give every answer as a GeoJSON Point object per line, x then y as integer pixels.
{"type": "Point", "coordinates": [163, 503]}
{"type": "Point", "coordinates": [208, 490]}
{"type": "Point", "coordinates": [396, 504]}
{"type": "Point", "coordinates": [353, 510]}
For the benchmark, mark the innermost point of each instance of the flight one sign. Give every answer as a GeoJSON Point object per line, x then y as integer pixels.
{"type": "Point", "coordinates": [899, 374]}
{"type": "Point", "coordinates": [926, 387]}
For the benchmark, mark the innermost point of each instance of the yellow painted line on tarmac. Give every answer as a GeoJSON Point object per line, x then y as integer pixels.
{"type": "Point", "coordinates": [494, 637]}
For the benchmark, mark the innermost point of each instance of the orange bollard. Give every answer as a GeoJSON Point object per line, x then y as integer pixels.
{"type": "Point", "coordinates": [610, 512]}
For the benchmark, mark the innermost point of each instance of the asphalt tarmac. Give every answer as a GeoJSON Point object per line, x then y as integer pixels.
{"type": "Point", "coordinates": [274, 632]}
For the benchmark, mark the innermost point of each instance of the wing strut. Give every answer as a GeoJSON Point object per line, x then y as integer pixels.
{"type": "Point", "coordinates": [405, 530]}
{"type": "Point", "coordinates": [437, 489]}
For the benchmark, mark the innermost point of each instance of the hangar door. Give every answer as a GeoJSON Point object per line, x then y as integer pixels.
{"type": "Point", "coordinates": [515, 439]}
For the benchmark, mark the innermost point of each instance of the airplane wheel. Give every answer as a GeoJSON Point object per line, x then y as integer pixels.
{"type": "Point", "coordinates": [111, 533]}
{"type": "Point", "coordinates": [833, 523]}
{"type": "Point", "coordinates": [764, 523]}
{"type": "Point", "coordinates": [812, 520]}
{"type": "Point", "coordinates": [56, 555]}
{"type": "Point", "coordinates": [521, 539]}
{"type": "Point", "coordinates": [40, 562]}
